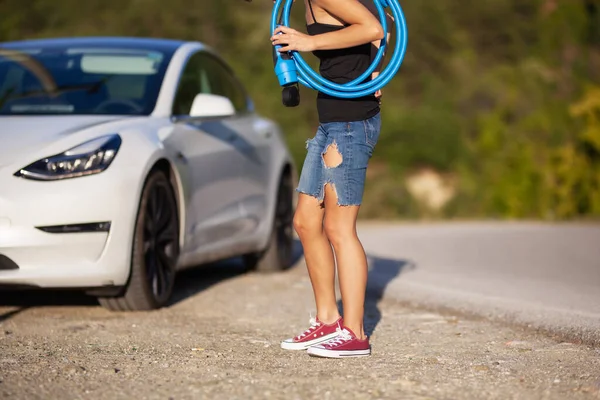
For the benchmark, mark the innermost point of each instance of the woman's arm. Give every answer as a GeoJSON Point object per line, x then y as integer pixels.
{"type": "Point", "coordinates": [363, 28]}
{"type": "Point", "coordinates": [375, 45]}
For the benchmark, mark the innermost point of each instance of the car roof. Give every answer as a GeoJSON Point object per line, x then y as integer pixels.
{"type": "Point", "coordinates": [156, 44]}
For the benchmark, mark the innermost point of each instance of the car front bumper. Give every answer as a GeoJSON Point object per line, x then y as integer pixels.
{"type": "Point", "coordinates": [59, 258]}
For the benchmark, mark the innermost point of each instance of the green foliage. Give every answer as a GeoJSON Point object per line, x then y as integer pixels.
{"type": "Point", "coordinates": [501, 97]}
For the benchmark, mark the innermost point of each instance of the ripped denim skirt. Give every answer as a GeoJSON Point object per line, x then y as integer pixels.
{"type": "Point", "coordinates": [355, 142]}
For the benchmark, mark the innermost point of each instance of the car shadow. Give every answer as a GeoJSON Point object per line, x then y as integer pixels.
{"type": "Point", "coordinates": [195, 280]}
{"type": "Point", "coordinates": [382, 271]}
{"type": "Point", "coordinates": [23, 299]}
{"type": "Point", "coordinates": [187, 284]}
{"type": "Point", "coordinates": [30, 298]}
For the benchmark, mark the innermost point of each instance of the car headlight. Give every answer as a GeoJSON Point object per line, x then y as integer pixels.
{"type": "Point", "coordinates": [89, 158]}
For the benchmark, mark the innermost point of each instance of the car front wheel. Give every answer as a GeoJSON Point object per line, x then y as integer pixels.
{"type": "Point", "coordinates": [155, 250]}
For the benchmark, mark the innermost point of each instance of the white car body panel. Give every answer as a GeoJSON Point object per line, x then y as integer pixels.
{"type": "Point", "coordinates": [225, 173]}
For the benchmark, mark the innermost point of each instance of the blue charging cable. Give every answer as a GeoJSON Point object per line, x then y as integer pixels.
{"type": "Point", "coordinates": [291, 68]}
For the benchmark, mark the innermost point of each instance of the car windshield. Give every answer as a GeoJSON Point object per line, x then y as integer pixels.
{"type": "Point", "coordinates": [80, 80]}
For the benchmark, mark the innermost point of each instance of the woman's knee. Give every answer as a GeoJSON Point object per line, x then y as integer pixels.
{"type": "Point", "coordinates": [307, 224]}
{"type": "Point", "coordinates": [337, 232]}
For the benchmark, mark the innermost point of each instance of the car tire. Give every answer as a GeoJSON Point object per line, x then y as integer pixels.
{"type": "Point", "coordinates": [278, 254]}
{"type": "Point", "coordinates": [155, 250]}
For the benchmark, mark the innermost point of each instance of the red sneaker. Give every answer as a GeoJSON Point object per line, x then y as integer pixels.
{"type": "Point", "coordinates": [345, 345]}
{"type": "Point", "coordinates": [317, 333]}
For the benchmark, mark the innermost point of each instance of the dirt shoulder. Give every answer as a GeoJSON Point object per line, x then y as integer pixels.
{"type": "Point", "coordinates": [220, 339]}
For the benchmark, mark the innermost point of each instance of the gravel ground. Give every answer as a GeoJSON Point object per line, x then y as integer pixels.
{"type": "Point", "coordinates": [220, 340]}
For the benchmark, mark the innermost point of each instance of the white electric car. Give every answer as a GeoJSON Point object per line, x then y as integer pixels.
{"type": "Point", "coordinates": [124, 160]}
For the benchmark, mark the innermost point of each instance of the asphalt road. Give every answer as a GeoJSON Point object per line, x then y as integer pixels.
{"type": "Point", "coordinates": [540, 275]}
{"type": "Point", "coordinates": [429, 285]}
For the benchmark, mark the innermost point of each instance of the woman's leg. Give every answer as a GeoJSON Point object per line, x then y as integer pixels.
{"type": "Point", "coordinates": [340, 228]}
{"type": "Point", "coordinates": [308, 222]}
{"type": "Point", "coordinates": [346, 160]}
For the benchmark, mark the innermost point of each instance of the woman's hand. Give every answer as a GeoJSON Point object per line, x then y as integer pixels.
{"type": "Point", "coordinates": [378, 93]}
{"type": "Point", "coordinates": [290, 39]}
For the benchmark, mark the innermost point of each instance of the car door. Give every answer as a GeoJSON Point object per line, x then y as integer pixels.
{"type": "Point", "coordinates": [251, 138]}
{"type": "Point", "coordinates": [214, 164]}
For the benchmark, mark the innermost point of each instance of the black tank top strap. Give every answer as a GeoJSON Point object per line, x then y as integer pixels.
{"type": "Point", "coordinates": [312, 12]}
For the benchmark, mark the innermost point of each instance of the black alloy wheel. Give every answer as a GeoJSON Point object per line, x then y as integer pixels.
{"type": "Point", "coordinates": [155, 250]}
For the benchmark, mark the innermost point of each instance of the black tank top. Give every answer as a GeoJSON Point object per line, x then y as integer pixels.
{"type": "Point", "coordinates": [342, 66]}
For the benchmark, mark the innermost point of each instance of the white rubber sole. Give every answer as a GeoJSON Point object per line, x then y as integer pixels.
{"type": "Point", "coordinates": [289, 344]}
{"type": "Point", "coordinates": [324, 353]}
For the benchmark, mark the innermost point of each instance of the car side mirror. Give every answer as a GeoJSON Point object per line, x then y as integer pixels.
{"type": "Point", "coordinates": [211, 105]}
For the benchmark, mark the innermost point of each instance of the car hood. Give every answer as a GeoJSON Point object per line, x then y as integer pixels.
{"type": "Point", "coordinates": [22, 135]}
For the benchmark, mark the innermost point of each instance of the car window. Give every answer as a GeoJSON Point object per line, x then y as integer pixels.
{"type": "Point", "coordinates": [70, 80]}
{"type": "Point", "coordinates": [205, 73]}
{"type": "Point", "coordinates": [191, 83]}
{"type": "Point", "coordinates": [224, 83]}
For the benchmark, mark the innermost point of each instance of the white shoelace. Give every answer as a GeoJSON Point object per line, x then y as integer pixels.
{"type": "Point", "coordinates": [343, 336]}
{"type": "Point", "coordinates": [313, 325]}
